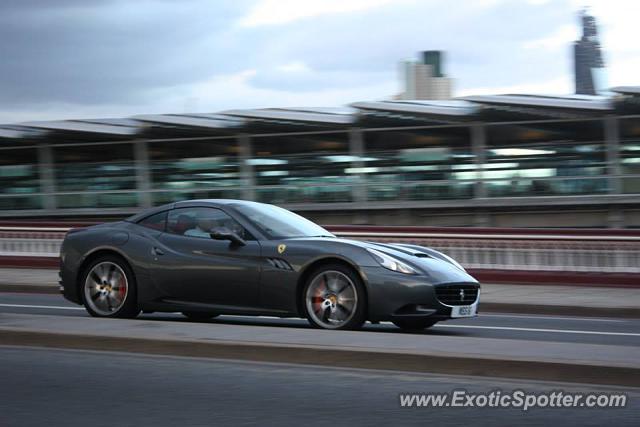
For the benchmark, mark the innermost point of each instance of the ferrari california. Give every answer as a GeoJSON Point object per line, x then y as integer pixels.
{"type": "Point", "coordinates": [205, 258]}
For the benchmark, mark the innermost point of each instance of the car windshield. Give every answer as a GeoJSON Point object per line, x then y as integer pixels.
{"type": "Point", "coordinates": [278, 223]}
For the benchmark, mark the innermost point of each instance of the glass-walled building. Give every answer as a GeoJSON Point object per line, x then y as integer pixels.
{"type": "Point", "coordinates": [372, 163]}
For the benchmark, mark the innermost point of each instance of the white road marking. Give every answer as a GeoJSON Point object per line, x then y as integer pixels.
{"type": "Point", "coordinates": [41, 306]}
{"type": "Point", "coordinates": [521, 316]}
{"type": "Point", "coordinates": [499, 328]}
{"type": "Point", "coordinates": [562, 331]}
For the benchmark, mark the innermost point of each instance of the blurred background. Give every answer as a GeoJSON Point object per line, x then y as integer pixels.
{"type": "Point", "coordinates": [508, 114]}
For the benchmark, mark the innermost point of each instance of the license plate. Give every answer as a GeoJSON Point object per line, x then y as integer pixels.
{"type": "Point", "coordinates": [463, 311]}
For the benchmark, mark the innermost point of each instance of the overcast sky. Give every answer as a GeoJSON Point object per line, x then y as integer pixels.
{"type": "Point", "coordinates": [115, 58]}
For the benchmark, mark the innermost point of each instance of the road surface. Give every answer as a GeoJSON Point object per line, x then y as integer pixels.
{"type": "Point", "coordinates": [569, 329]}
{"type": "Point", "coordinates": [80, 388]}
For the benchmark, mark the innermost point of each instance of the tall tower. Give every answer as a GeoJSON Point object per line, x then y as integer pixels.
{"type": "Point", "coordinates": [587, 56]}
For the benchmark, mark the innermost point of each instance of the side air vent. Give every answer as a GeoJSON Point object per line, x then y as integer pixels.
{"type": "Point", "coordinates": [279, 264]}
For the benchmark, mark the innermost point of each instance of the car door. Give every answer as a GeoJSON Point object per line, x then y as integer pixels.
{"type": "Point", "coordinates": [193, 267]}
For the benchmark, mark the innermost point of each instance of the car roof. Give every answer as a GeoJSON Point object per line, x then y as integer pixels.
{"type": "Point", "coordinates": [214, 201]}
{"type": "Point", "coordinates": [187, 203]}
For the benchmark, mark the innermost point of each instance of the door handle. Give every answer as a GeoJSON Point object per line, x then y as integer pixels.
{"type": "Point", "coordinates": [157, 251]}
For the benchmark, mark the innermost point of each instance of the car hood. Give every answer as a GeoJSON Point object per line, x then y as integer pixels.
{"type": "Point", "coordinates": [439, 267]}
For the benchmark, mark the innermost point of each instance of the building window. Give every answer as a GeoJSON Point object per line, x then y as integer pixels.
{"type": "Point", "coordinates": [19, 179]}
{"type": "Point", "coordinates": [630, 154]}
{"type": "Point", "coordinates": [311, 168]}
{"type": "Point", "coordinates": [545, 159]}
{"type": "Point", "coordinates": [95, 176]}
{"type": "Point", "coordinates": [194, 170]}
{"type": "Point", "coordinates": [425, 164]}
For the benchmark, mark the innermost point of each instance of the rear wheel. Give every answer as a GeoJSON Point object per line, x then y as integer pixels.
{"type": "Point", "coordinates": [414, 324]}
{"type": "Point", "coordinates": [334, 298]}
{"type": "Point", "coordinates": [109, 288]}
{"type": "Point", "coordinates": [196, 316]}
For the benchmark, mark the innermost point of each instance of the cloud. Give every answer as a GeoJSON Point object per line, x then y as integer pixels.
{"type": "Point", "coordinates": [237, 91]}
{"type": "Point", "coordinates": [107, 51]}
{"type": "Point", "coordinates": [559, 86]}
{"type": "Point", "coordinates": [277, 12]}
{"type": "Point", "coordinates": [294, 67]}
{"type": "Point", "coordinates": [483, 43]}
{"type": "Point", "coordinates": [83, 58]}
{"type": "Point", "coordinates": [559, 39]}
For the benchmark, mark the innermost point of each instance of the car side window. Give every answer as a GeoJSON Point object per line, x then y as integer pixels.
{"type": "Point", "coordinates": [200, 222]}
{"type": "Point", "coordinates": [155, 221]}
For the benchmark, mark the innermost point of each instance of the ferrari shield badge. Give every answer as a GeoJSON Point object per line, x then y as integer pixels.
{"type": "Point", "coordinates": [281, 248]}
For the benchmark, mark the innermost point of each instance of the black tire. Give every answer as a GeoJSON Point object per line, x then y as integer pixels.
{"type": "Point", "coordinates": [414, 324]}
{"type": "Point", "coordinates": [359, 313]}
{"type": "Point", "coordinates": [196, 316]}
{"type": "Point", "coordinates": [128, 309]}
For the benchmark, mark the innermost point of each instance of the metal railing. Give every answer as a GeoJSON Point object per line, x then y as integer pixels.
{"type": "Point", "coordinates": [37, 243]}
{"type": "Point", "coordinates": [555, 251]}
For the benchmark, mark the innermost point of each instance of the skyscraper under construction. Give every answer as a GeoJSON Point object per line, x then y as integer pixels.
{"type": "Point", "coordinates": [587, 57]}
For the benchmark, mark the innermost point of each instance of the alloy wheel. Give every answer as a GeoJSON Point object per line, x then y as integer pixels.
{"type": "Point", "coordinates": [106, 288]}
{"type": "Point", "coordinates": [331, 299]}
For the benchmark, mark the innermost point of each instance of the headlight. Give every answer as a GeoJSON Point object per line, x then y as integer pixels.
{"type": "Point", "coordinates": [391, 263]}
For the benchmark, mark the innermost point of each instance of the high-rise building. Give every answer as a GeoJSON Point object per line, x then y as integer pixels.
{"type": "Point", "coordinates": [587, 58]}
{"type": "Point", "coordinates": [424, 79]}
{"type": "Point", "coordinates": [433, 58]}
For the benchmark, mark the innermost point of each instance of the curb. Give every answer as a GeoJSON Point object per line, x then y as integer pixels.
{"type": "Point", "coordinates": [321, 356]}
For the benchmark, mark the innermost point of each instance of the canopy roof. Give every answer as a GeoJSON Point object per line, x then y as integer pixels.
{"type": "Point", "coordinates": [390, 113]}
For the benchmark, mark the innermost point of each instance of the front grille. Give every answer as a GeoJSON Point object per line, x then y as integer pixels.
{"type": "Point", "coordinates": [460, 294]}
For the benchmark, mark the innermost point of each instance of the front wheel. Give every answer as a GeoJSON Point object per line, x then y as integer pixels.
{"type": "Point", "coordinates": [334, 298]}
{"type": "Point", "coordinates": [109, 288]}
{"type": "Point", "coordinates": [414, 324]}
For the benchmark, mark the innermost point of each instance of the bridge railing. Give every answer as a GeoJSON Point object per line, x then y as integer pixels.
{"type": "Point", "coordinates": [531, 255]}
{"type": "Point", "coordinates": [501, 249]}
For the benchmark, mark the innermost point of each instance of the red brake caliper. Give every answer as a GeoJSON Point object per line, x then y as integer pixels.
{"type": "Point", "coordinates": [122, 288]}
{"type": "Point", "coordinates": [318, 298]}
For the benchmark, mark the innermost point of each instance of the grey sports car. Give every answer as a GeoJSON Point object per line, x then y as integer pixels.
{"type": "Point", "coordinates": [210, 257]}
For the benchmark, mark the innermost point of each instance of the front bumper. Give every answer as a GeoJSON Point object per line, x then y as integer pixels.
{"type": "Point", "coordinates": [394, 295]}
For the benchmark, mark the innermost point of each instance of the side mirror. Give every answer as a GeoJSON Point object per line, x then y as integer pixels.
{"type": "Point", "coordinates": [223, 233]}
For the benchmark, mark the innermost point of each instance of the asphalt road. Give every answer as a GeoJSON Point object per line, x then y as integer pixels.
{"type": "Point", "coordinates": [625, 332]}
{"type": "Point", "coordinates": [79, 388]}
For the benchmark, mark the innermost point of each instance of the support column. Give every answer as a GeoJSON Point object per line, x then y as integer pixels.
{"type": "Point", "coordinates": [143, 175]}
{"type": "Point", "coordinates": [612, 141]}
{"type": "Point", "coordinates": [356, 149]}
{"type": "Point", "coordinates": [615, 217]}
{"type": "Point", "coordinates": [247, 175]}
{"type": "Point", "coordinates": [47, 177]}
{"type": "Point", "coordinates": [481, 219]}
{"type": "Point", "coordinates": [478, 147]}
